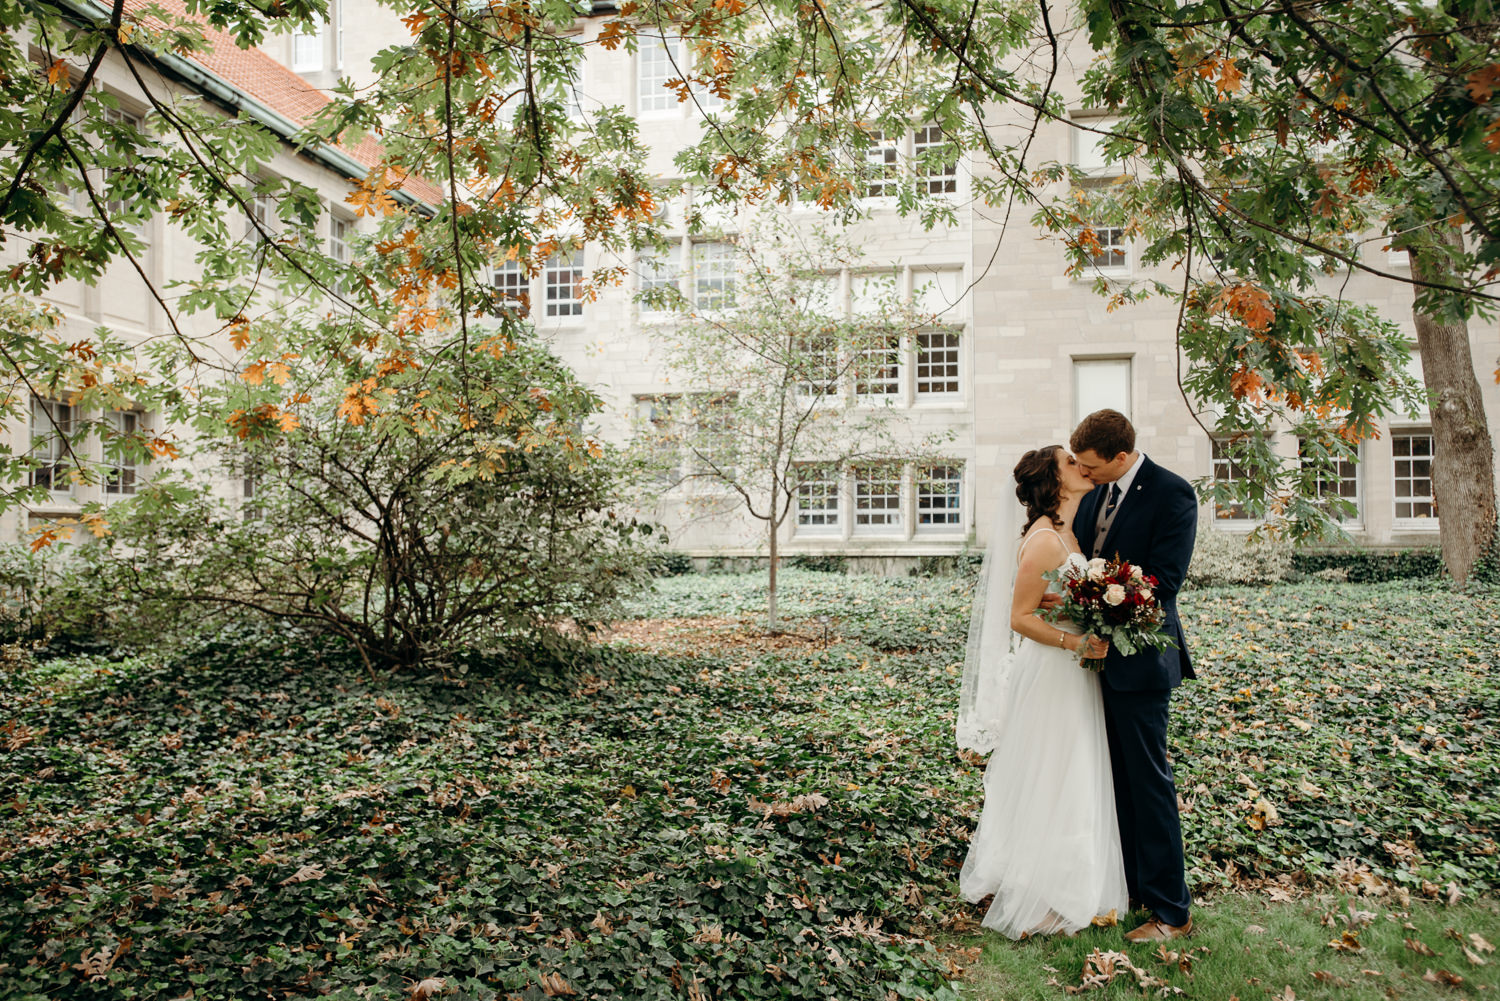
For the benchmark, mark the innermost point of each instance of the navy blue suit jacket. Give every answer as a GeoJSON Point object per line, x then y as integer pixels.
{"type": "Point", "coordinates": [1154, 529]}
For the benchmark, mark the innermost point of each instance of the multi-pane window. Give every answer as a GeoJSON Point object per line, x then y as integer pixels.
{"type": "Point", "coordinates": [1100, 384]}
{"type": "Point", "coordinates": [877, 498]}
{"type": "Point", "coordinates": [307, 50]}
{"type": "Point", "coordinates": [1341, 482]}
{"type": "Point", "coordinates": [933, 175]}
{"type": "Point", "coordinates": [262, 217]}
{"type": "Point", "coordinates": [816, 360]}
{"type": "Point", "coordinates": [937, 363]}
{"type": "Point", "coordinates": [120, 460]}
{"type": "Point", "coordinates": [119, 208]}
{"type": "Point", "coordinates": [339, 231]}
{"type": "Point", "coordinates": [817, 498]}
{"type": "Point", "coordinates": [939, 496]}
{"type": "Point", "coordinates": [51, 423]}
{"type": "Point", "coordinates": [1413, 452]}
{"type": "Point", "coordinates": [713, 275]}
{"type": "Point", "coordinates": [877, 369]}
{"type": "Point", "coordinates": [656, 62]}
{"type": "Point", "coordinates": [658, 273]}
{"type": "Point", "coordinates": [564, 284]}
{"type": "Point", "coordinates": [1110, 250]}
{"type": "Point", "coordinates": [918, 158]}
{"type": "Point", "coordinates": [654, 415]}
{"type": "Point", "coordinates": [883, 166]}
{"type": "Point", "coordinates": [512, 288]}
{"type": "Point", "coordinates": [1227, 470]}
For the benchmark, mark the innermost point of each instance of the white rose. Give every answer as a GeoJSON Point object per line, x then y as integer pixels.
{"type": "Point", "coordinates": [1146, 593]}
{"type": "Point", "coordinates": [1136, 575]}
{"type": "Point", "coordinates": [1097, 566]}
{"type": "Point", "coordinates": [1114, 594]}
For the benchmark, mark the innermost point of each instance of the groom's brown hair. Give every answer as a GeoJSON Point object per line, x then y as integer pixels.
{"type": "Point", "coordinates": [1106, 432]}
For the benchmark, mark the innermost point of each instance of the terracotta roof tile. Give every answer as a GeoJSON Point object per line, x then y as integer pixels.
{"type": "Point", "coordinates": [277, 87]}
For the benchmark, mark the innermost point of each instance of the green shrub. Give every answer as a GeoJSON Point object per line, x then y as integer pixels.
{"type": "Point", "coordinates": [1369, 566]}
{"type": "Point", "coordinates": [826, 563]}
{"type": "Point", "coordinates": [409, 541]}
{"type": "Point", "coordinates": [56, 598]}
{"type": "Point", "coordinates": [1221, 558]}
{"type": "Point", "coordinates": [669, 563]}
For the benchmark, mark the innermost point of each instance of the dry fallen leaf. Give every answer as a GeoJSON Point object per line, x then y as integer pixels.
{"type": "Point", "coordinates": [1347, 942]}
{"type": "Point", "coordinates": [1479, 943]}
{"type": "Point", "coordinates": [1442, 977]}
{"type": "Point", "coordinates": [427, 988]}
{"type": "Point", "coordinates": [1419, 947]}
{"type": "Point", "coordinates": [1473, 957]}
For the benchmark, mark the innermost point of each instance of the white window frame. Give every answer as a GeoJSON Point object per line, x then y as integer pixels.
{"type": "Point", "coordinates": [114, 206]}
{"type": "Point", "coordinates": [886, 519]}
{"type": "Point", "coordinates": [822, 377]}
{"type": "Point", "coordinates": [945, 180]}
{"type": "Point", "coordinates": [560, 265]}
{"type": "Point", "coordinates": [951, 362]}
{"type": "Point", "coordinates": [512, 287]}
{"type": "Point", "coordinates": [881, 362]}
{"type": "Point", "coordinates": [824, 483]}
{"type": "Point", "coordinates": [1119, 243]}
{"type": "Point", "coordinates": [883, 164]}
{"type": "Point", "coordinates": [1088, 153]}
{"type": "Point", "coordinates": [1085, 401]}
{"type": "Point", "coordinates": [263, 210]}
{"type": "Point", "coordinates": [339, 231]}
{"type": "Point", "coordinates": [1409, 521]}
{"type": "Point", "coordinates": [652, 96]}
{"type": "Point", "coordinates": [1216, 462]}
{"type": "Point", "coordinates": [308, 55]}
{"type": "Point", "coordinates": [52, 433]}
{"type": "Point", "coordinates": [714, 264]}
{"type": "Point", "coordinates": [946, 504]}
{"type": "Point", "coordinates": [116, 481]}
{"type": "Point", "coordinates": [656, 270]}
{"type": "Point", "coordinates": [1346, 467]}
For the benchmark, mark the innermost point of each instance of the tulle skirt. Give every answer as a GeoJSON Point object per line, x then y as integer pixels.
{"type": "Point", "coordinates": [1048, 843]}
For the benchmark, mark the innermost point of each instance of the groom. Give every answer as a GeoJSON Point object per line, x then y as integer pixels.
{"type": "Point", "coordinates": [1147, 515]}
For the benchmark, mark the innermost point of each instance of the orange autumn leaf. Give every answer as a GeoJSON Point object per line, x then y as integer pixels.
{"type": "Point", "coordinates": [57, 73]}
{"type": "Point", "coordinates": [239, 333]}
{"type": "Point", "coordinates": [1248, 303]}
{"type": "Point", "coordinates": [1229, 77]}
{"type": "Point", "coordinates": [255, 374]}
{"type": "Point", "coordinates": [163, 449]}
{"type": "Point", "coordinates": [44, 539]}
{"type": "Point", "coordinates": [1483, 82]}
{"type": "Point", "coordinates": [1244, 382]}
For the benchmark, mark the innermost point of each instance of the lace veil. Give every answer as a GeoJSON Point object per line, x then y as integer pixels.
{"type": "Point", "coordinates": [990, 655]}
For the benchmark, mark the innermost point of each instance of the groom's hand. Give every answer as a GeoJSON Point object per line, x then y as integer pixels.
{"type": "Point", "coordinates": [1049, 601]}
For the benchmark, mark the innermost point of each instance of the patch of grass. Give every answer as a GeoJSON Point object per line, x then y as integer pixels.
{"type": "Point", "coordinates": [1251, 948]}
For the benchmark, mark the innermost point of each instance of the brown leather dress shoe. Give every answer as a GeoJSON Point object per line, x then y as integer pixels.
{"type": "Point", "coordinates": [1157, 930]}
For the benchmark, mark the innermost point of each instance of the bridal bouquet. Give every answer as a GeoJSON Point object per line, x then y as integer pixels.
{"type": "Point", "coordinates": [1112, 599]}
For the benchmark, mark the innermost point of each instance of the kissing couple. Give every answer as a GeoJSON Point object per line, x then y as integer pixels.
{"type": "Point", "coordinates": [1080, 821]}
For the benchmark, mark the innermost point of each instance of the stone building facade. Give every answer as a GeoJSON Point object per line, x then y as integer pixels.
{"type": "Point", "coordinates": [1019, 350]}
{"type": "Point", "coordinates": [242, 84]}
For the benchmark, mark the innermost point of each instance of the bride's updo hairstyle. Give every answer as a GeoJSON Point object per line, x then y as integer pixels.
{"type": "Point", "coordinates": [1038, 487]}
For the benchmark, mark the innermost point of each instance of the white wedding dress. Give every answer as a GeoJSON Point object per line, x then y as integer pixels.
{"type": "Point", "coordinates": [1048, 843]}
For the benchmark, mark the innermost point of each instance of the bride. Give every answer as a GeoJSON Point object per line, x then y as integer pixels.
{"type": "Point", "coordinates": [1047, 845]}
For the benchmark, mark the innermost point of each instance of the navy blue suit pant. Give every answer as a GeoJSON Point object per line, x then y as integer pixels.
{"type": "Point", "coordinates": [1146, 800]}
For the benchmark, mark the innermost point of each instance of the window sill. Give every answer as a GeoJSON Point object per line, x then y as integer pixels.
{"type": "Point", "coordinates": [1415, 525]}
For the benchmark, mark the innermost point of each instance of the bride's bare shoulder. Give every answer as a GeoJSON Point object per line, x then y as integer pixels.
{"type": "Point", "coordinates": [1041, 543]}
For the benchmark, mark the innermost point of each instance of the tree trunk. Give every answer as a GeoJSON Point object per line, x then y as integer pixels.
{"type": "Point", "coordinates": [771, 624]}
{"type": "Point", "coordinates": [1463, 463]}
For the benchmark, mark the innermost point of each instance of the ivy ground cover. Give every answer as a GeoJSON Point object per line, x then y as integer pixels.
{"type": "Point", "coordinates": [692, 812]}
